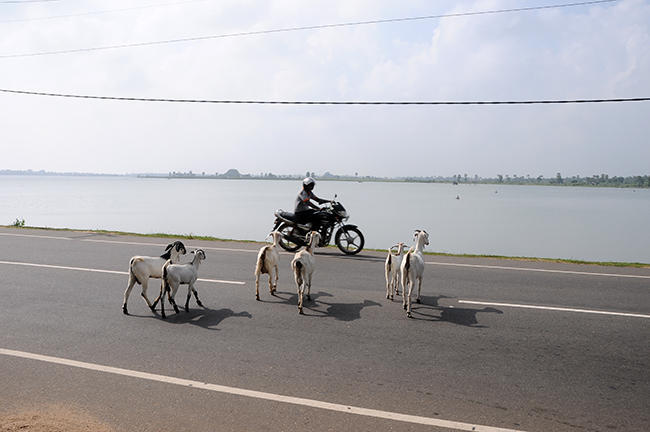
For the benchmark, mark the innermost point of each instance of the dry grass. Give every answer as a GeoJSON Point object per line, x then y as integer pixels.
{"type": "Point", "coordinates": [52, 419]}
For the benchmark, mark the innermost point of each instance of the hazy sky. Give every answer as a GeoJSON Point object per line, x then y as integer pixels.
{"type": "Point", "coordinates": [596, 51]}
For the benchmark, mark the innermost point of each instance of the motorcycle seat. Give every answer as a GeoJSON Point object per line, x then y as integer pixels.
{"type": "Point", "coordinates": [286, 215]}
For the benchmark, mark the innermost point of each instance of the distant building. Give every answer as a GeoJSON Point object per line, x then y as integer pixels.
{"type": "Point", "coordinates": [232, 174]}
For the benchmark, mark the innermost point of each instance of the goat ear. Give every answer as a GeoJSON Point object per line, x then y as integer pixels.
{"type": "Point", "coordinates": [169, 246]}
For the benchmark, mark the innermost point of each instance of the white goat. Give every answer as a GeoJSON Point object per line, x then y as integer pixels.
{"type": "Point", "coordinates": [412, 268]}
{"type": "Point", "coordinates": [268, 259]}
{"type": "Point", "coordinates": [173, 275]}
{"type": "Point", "coordinates": [392, 267]}
{"type": "Point", "coordinates": [141, 268]}
{"type": "Point", "coordinates": [303, 268]}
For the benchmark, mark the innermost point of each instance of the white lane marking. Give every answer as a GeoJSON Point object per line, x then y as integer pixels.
{"type": "Point", "coordinates": [106, 271]}
{"type": "Point", "coordinates": [552, 308]}
{"type": "Point", "coordinates": [257, 394]}
{"type": "Point", "coordinates": [538, 270]}
{"type": "Point", "coordinates": [35, 236]}
{"type": "Point", "coordinates": [163, 245]}
{"type": "Point", "coordinates": [378, 259]}
{"type": "Point", "coordinates": [125, 242]}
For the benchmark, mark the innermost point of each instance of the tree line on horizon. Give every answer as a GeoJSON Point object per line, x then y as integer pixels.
{"type": "Point", "coordinates": [602, 180]}
{"type": "Point", "coordinates": [598, 180]}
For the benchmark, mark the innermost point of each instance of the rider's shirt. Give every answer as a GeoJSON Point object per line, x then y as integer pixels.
{"type": "Point", "coordinates": [302, 201]}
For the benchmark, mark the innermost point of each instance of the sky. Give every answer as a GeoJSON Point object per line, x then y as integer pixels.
{"type": "Point", "coordinates": [584, 52]}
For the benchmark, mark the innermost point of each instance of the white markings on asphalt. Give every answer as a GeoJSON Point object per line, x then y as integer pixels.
{"type": "Point", "coordinates": [123, 242]}
{"type": "Point", "coordinates": [529, 269]}
{"type": "Point", "coordinates": [553, 308]}
{"type": "Point", "coordinates": [164, 245]}
{"type": "Point", "coordinates": [538, 270]}
{"type": "Point", "coordinates": [258, 394]}
{"type": "Point", "coordinates": [106, 271]}
{"type": "Point", "coordinates": [61, 267]}
{"type": "Point", "coordinates": [35, 236]}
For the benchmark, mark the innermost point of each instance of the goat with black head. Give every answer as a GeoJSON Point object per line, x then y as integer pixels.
{"type": "Point", "coordinates": [141, 268]}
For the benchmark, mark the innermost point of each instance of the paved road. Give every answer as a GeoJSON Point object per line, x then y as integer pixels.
{"type": "Point", "coordinates": [492, 364]}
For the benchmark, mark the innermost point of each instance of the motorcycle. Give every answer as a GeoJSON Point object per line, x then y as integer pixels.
{"type": "Point", "coordinates": [348, 238]}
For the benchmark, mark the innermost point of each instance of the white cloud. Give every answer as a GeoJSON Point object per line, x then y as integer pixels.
{"type": "Point", "coordinates": [582, 52]}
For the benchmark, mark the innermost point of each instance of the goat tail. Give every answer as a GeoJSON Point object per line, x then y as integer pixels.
{"type": "Point", "coordinates": [261, 262]}
{"type": "Point", "coordinates": [132, 274]}
{"type": "Point", "coordinates": [165, 285]}
{"type": "Point", "coordinates": [297, 270]}
{"type": "Point", "coordinates": [406, 274]}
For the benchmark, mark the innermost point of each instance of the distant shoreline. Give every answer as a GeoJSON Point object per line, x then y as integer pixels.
{"type": "Point", "coordinates": [210, 238]}
{"type": "Point", "coordinates": [631, 182]}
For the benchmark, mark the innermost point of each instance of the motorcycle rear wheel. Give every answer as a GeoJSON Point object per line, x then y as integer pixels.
{"type": "Point", "coordinates": [286, 244]}
{"type": "Point", "coordinates": [349, 240]}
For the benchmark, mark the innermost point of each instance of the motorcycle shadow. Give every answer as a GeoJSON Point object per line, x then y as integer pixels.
{"type": "Point", "coordinates": [338, 311]}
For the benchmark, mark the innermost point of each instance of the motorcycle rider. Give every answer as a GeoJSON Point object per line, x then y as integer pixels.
{"type": "Point", "coordinates": [305, 209]}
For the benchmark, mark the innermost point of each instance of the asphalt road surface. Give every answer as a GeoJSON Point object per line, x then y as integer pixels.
{"type": "Point", "coordinates": [494, 345]}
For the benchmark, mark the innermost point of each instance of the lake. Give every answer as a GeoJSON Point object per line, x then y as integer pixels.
{"type": "Point", "coordinates": [600, 224]}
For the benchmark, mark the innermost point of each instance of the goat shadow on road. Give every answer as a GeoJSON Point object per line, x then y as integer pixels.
{"type": "Point", "coordinates": [455, 315]}
{"type": "Point", "coordinates": [339, 311]}
{"type": "Point", "coordinates": [204, 317]}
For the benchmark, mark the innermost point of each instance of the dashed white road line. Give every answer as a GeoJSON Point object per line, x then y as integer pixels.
{"type": "Point", "coordinates": [530, 269]}
{"type": "Point", "coordinates": [312, 403]}
{"type": "Point", "coordinates": [50, 266]}
{"type": "Point", "coordinates": [554, 308]}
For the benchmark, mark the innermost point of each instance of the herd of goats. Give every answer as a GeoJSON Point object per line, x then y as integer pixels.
{"type": "Point", "coordinates": [402, 266]}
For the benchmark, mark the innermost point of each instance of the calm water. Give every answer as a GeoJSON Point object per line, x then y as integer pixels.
{"type": "Point", "coordinates": [553, 222]}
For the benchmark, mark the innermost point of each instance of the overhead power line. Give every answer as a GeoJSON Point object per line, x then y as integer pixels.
{"type": "Point", "coordinates": [100, 12]}
{"type": "Point", "coordinates": [313, 27]}
{"type": "Point", "coordinates": [315, 102]}
{"type": "Point", "coordinates": [25, 1]}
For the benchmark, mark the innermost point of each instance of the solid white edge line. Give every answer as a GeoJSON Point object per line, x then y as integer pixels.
{"type": "Point", "coordinates": [378, 259]}
{"type": "Point", "coordinates": [537, 270]}
{"type": "Point", "coordinates": [553, 308]}
{"type": "Point", "coordinates": [163, 245]}
{"type": "Point", "coordinates": [125, 242]}
{"type": "Point", "coordinates": [106, 271]}
{"type": "Point", "coordinates": [312, 403]}
{"type": "Point", "coordinates": [35, 236]}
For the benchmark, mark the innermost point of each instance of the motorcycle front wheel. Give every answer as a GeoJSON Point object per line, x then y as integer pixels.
{"type": "Point", "coordinates": [285, 243]}
{"type": "Point", "coordinates": [349, 240]}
